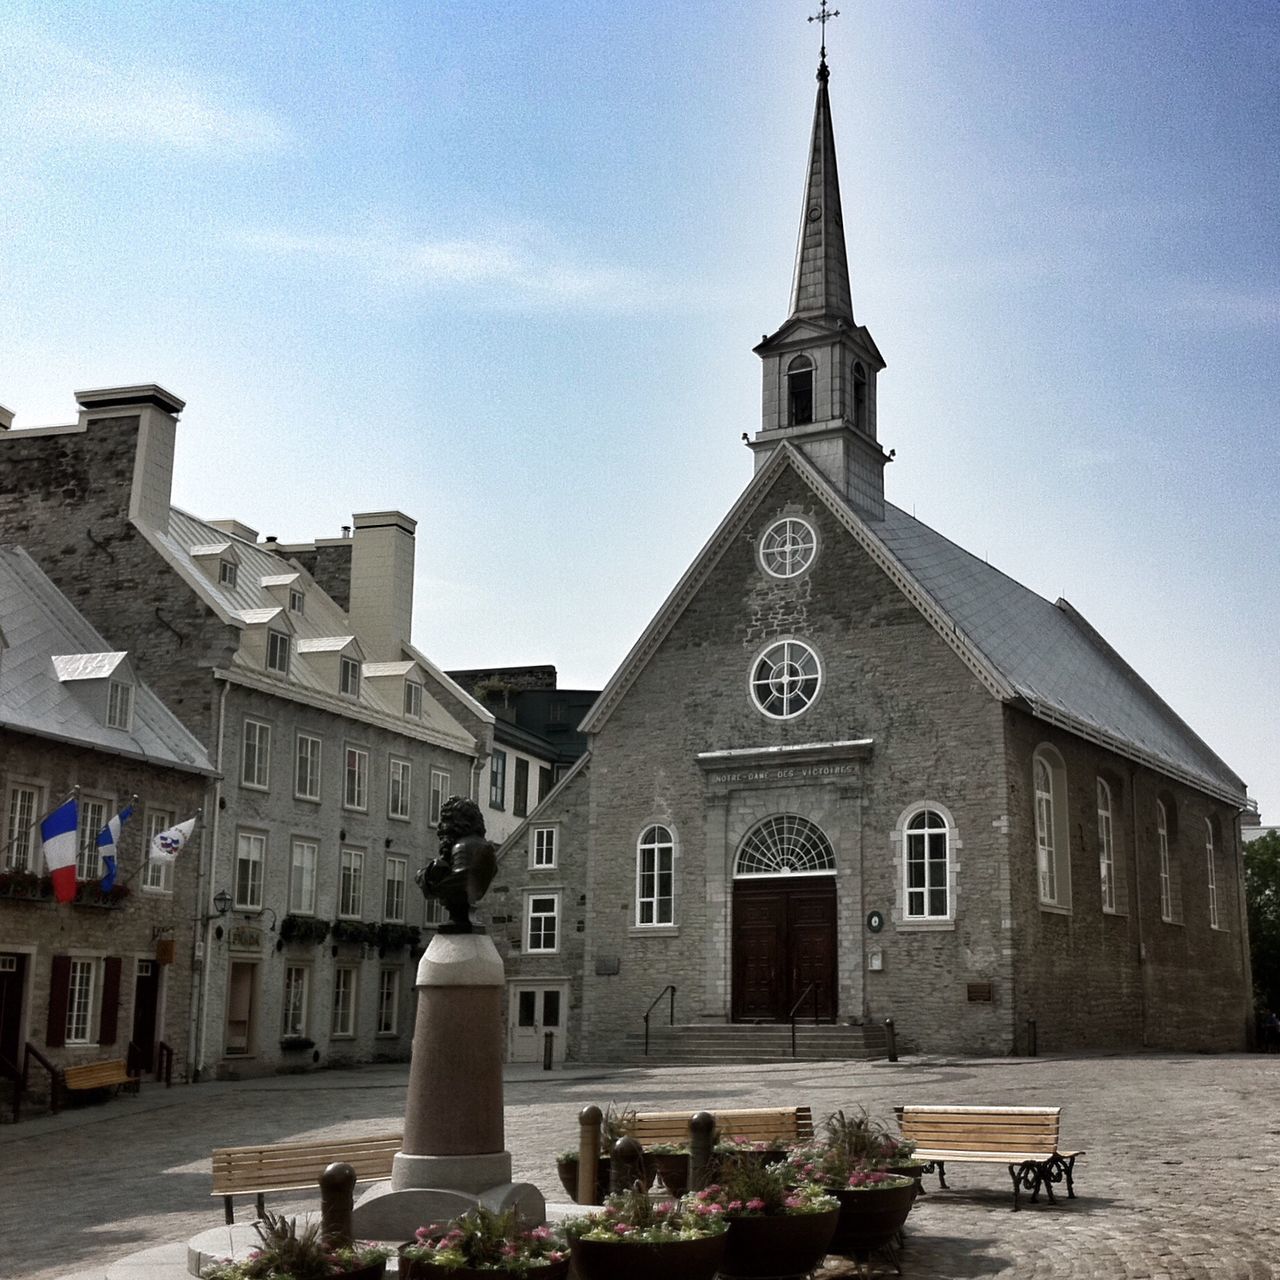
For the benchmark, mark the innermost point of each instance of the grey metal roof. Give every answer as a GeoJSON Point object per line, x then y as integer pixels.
{"type": "Point", "coordinates": [1050, 655]}
{"type": "Point", "coordinates": [39, 623]}
{"type": "Point", "coordinates": [85, 666]}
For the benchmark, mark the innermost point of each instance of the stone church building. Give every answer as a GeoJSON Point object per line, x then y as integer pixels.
{"type": "Point", "coordinates": [851, 764]}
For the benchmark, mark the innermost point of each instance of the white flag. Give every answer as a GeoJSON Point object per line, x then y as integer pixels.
{"type": "Point", "coordinates": [166, 844]}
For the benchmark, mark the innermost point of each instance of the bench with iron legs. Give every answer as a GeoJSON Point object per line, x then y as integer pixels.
{"type": "Point", "coordinates": [98, 1075]}
{"type": "Point", "coordinates": [789, 1125]}
{"type": "Point", "coordinates": [1024, 1139]}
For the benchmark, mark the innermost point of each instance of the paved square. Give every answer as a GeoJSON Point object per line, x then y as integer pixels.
{"type": "Point", "coordinates": [1181, 1179]}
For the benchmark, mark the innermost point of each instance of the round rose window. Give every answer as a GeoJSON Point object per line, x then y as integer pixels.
{"type": "Point", "coordinates": [785, 679]}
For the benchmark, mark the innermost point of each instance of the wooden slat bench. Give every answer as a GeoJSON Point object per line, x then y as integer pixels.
{"type": "Point", "coordinates": [296, 1166]}
{"type": "Point", "coordinates": [765, 1124]}
{"type": "Point", "coordinates": [98, 1075]}
{"type": "Point", "coordinates": [1025, 1139]}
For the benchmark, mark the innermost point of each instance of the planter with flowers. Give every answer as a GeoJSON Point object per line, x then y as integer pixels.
{"type": "Point", "coordinates": [670, 1162]}
{"type": "Point", "coordinates": [481, 1245]}
{"type": "Point", "coordinates": [632, 1238]}
{"type": "Point", "coordinates": [776, 1227]}
{"type": "Point", "coordinates": [751, 1150]}
{"type": "Point", "coordinates": [616, 1123]}
{"type": "Point", "coordinates": [287, 1254]}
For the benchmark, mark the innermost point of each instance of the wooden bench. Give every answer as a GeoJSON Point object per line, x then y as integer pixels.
{"type": "Point", "coordinates": [1025, 1139]}
{"type": "Point", "coordinates": [296, 1166]}
{"type": "Point", "coordinates": [790, 1125]}
{"type": "Point", "coordinates": [98, 1075]}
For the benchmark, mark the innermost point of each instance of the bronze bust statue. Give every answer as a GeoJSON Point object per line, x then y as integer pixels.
{"type": "Point", "coordinates": [465, 866]}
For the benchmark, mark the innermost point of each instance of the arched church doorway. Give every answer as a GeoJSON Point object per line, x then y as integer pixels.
{"type": "Point", "coordinates": [784, 922]}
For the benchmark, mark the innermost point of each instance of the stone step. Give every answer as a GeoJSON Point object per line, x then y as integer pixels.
{"type": "Point", "coordinates": [752, 1042]}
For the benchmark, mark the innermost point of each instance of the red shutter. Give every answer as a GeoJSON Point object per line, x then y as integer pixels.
{"type": "Point", "coordinates": [110, 1000]}
{"type": "Point", "coordinates": [55, 1035]}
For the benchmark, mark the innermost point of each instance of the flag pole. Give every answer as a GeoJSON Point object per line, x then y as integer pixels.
{"type": "Point", "coordinates": [199, 813]}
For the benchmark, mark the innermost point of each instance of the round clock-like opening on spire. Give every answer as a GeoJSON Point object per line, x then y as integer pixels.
{"type": "Point", "coordinates": [815, 213]}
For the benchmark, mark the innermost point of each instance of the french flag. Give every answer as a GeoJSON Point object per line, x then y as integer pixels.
{"type": "Point", "coordinates": [58, 831]}
{"type": "Point", "coordinates": [106, 843]}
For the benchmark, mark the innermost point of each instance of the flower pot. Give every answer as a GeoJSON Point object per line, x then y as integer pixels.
{"type": "Point", "coordinates": [672, 1168]}
{"type": "Point", "coordinates": [416, 1269]}
{"type": "Point", "coordinates": [567, 1168]}
{"type": "Point", "coordinates": [670, 1260]}
{"type": "Point", "coordinates": [910, 1169]}
{"type": "Point", "coordinates": [870, 1217]}
{"type": "Point", "coordinates": [370, 1271]}
{"type": "Point", "coordinates": [783, 1244]}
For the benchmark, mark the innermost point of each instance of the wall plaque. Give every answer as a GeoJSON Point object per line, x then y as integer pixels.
{"type": "Point", "coordinates": [979, 993]}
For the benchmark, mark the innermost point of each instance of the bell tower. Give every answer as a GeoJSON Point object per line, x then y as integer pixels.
{"type": "Point", "coordinates": [820, 367]}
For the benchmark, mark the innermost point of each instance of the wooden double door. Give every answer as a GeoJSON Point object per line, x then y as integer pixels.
{"type": "Point", "coordinates": [784, 939]}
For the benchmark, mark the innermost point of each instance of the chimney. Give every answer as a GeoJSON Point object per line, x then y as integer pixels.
{"type": "Point", "coordinates": [6, 418]}
{"type": "Point", "coordinates": [157, 412]}
{"type": "Point", "coordinates": [381, 609]}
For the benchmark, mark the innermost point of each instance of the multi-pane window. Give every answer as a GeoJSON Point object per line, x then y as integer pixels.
{"type": "Point", "coordinates": [398, 779]}
{"type": "Point", "coordinates": [927, 865]}
{"type": "Point", "coordinates": [542, 932]}
{"type": "Point", "coordinates": [251, 853]}
{"type": "Point", "coordinates": [119, 705]}
{"type": "Point", "coordinates": [498, 780]}
{"type": "Point", "coordinates": [255, 757]}
{"type": "Point", "coordinates": [1050, 831]}
{"type": "Point", "coordinates": [1106, 848]}
{"type": "Point", "coordinates": [520, 800]}
{"type": "Point", "coordinates": [278, 652]}
{"type": "Point", "coordinates": [227, 573]}
{"type": "Point", "coordinates": [344, 1001]}
{"type": "Point", "coordinates": [20, 842]}
{"type": "Point", "coordinates": [393, 898]}
{"type": "Point", "coordinates": [1212, 873]}
{"type": "Point", "coordinates": [80, 1001]}
{"type": "Point", "coordinates": [439, 794]}
{"type": "Point", "coordinates": [788, 547]}
{"type": "Point", "coordinates": [297, 601]}
{"type": "Point", "coordinates": [413, 699]}
{"type": "Point", "coordinates": [655, 876]}
{"type": "Point", "coordinates": [351, 884]}
{"type": "Point", "coordinates": [785, 679]}
{"type": "Point", "coordinates": [294, 1020]}
{"type": "Point", "coordinates": [349, 677]}
{"type": "Point", "coordinates": [433, 912]}
{"type": "Point", "coordinates": [306, 773]}
{"type": "Point", "coordinates": [355, 792]}
{"type": "Point", "coordinates": [544, 846]}
{"type": "Point", "coordinates": [157, 876]}
{"type": "Point", "coordinates": [1162, 844]}
{"type": "Point", "coordinates": [388, 1001]}
{"type": "Point", "coordinates": [93, 817]}
{"type": "Point", "coordinates": [302, 877]}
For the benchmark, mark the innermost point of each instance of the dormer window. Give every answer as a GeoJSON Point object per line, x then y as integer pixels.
{"type": "Point", "coordinates": [413, 699]}
{"type": "Point", "coordinates": [800, 392]}
{"type": "Point", "coordinates": [349, 677]}
{"type": "Point", "coordinates": [278, 652]}
{"type": "Point", "coordinates": [296, 600]}
{"type": "Point", "coordinates": [859, 396]}
{"type": "Point", "coordinates": [226, 573]}
{"type": "Point", "coordinates": [119, 705]}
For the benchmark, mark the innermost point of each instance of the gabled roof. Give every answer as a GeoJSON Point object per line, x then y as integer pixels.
{"type": "Point", "coordinates": [326, 644]}
{"type": "Point", "coordinates": [376, 670]}
{"type": "Point", "coordinates": [41, 622]}
{"type": "Point", "coordinates": [256, 617]}
{"type": "Point", "coordinates": [1043, 657]}
{"type": "Point", "coordinates": [86, 666]}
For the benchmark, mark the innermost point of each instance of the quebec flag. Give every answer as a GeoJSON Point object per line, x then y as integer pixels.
{"type": "Point", "coordinates": [165, 845]}
{"type": "Point", "coordinates": [106, 843]}
{"type": "Point", "coordinates": [58, 833]}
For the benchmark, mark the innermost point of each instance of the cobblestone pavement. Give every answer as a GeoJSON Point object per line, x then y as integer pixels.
{"type": "Point", "coordinates": [1181, 1179]}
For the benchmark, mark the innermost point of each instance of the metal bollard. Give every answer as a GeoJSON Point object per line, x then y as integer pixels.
{"type": "Point", "coordinates": [337, 1187]}
{"type": "Point", "coordinates": [548, 1050]}
{"type": "Point", "coordinates": [626, 1165]}
{"type": "Point", "coordinates": [1031, 1037]}
{"type": "Point", "coordinates": [890, 1040]}
{"type": "Point", "coordinates": [589, 1119]}
{"type": "Point", "coordinates": [702, 1132]}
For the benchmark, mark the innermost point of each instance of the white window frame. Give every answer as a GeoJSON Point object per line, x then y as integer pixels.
{"type": "Point", "coordinates": [433, 914]}
{"type": "Point", "coordinates": [655, 861]}
{"type": "Point", "coordinates": [939, 822]}
{"type": "Point", "coordinates": [157, 876]}
{"type": "Point", "coordinates": [297, 601]}
{"type": "Point", "coordinates": [22, 824]}
{"type": "Point", "coordinates": [413, 699]}
{"type": "Point", "coordinates": [227, 574]}
{"type": "Point", "coordinates": [1212, 870]}
{"type": "Point", "coordinates": [279, 650]}
{"type": "Point", "coordinates": [395, 889]}
{"type": "Point", "coordinates": [88, 860]}
{"type": "Point", "coordinates": [304, 861]}
{"type": "Point", "coordinates": [255, 755]}
{"type": "Point", "coordinates": [1106, 848]}
{"type": "Point", "coordinates": [82, 992]}
{"type": "Point", "coordinates": [351, 883]}
{"type": "Point", "coordinates": [251, 852]}
{"type": "Point", "coordinates": [788, 547]}
{"type": "Point", "coordinates": [399, 788]}
{"type": "Point", "coordinates": [538, 918]}
{"type": "Point", "coordinates": [764, 687]}
{"type": "Point", "coordinates": [343, 1023]}
{"type": "Point", "coordinates": [119, 705]}
{"type": "Point", "coordinates": [544, 845]}
{"type": "Point", "coordinates": [1053, 846]}
{"type": "Point", "coordinates": [1166, 873]}
{"type": "Point", "coordinates": [388, 1002]}
{"type": "Point", "coordinates": [348, 677]}
{"type": "Point", "coordinates": [440, 784]}
{"type": "Point", "coordinates": [355, 779]}
{"type": "Point", "coordinates": [295, 1000]}
{"type": "Point", "coordinates": [306, 766]}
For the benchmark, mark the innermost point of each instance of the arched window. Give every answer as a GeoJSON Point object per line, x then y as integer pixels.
{"type": "Point", "coordinates": [860, 396]}
{"type": "Point", "coordinates": [1052, 846]}
{"type": "Point", "coordinates": [1106, 848]}
{"type": "Point", "coordinates": [927, 867]}
{"type": "Point", "coordinates": [1212, 873]}
{"type": "Point", "coordinates": [800, 392]}
{"type": "Point", "coordinates": [788, 547]}
{"type": "Point", "coordinates": [656, 876]}
{"type": "Point", "coordinates": [785, 679]}
{"type": "Point", "coordinates": [1166, 874]}
{"type": "Point", "coordinates": [785, 845]}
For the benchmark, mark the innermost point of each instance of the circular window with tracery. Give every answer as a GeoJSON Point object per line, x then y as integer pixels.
{"type": "Point", "coordinates": [788, 547]}
{"type": "Point", "coordinates": [785, 845]}
{"type": "Point", "coordinates": [785, 679]}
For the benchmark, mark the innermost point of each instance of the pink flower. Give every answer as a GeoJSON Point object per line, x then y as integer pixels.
{"type": "Point", "coordinates": [755, 1205]}
{"type": "Point", "coordinates": [794, 1202]}
{"type": "Point", "coordinates": [621, 1229]}
{"type": "Point", "coordinates": [733, 1205]}
{"type": "Point", "coordinates": [667, 1206]}
{"type": "Point", "coordinates": [540, 1233]}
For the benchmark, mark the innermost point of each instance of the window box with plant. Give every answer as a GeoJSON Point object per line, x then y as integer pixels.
{"type": "Point", "coordinates": [287, 1254]}
{"type": "Point", "coordinates": [304, 930]}
{"type": "Point", "coordinates": [358, 932]}
{"type": "Point", "coordinates": [395, 937]}
{"type": "Point", "coordinates": [296, 1044]}
{"type": "Point", "coordinates": [482, 1243]}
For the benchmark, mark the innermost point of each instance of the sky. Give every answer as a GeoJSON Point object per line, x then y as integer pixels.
{"type": "Point", "coordinates": [501, 266]}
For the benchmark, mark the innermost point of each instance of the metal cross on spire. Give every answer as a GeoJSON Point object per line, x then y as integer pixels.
{"type": "Point", "coordinates": [824, 15]}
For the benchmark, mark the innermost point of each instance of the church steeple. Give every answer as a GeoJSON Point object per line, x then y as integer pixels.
{"type": "Point", "coordinates": [820, 368]}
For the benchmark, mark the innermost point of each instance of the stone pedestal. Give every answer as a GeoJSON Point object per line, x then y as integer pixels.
{"type": "Point", "coordinates": [453, 1155]}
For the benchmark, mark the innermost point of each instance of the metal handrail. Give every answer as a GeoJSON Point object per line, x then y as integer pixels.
{"type": "Point", "coordinates": [9, 1069]}
{"type": "Point", "coordinates": [671, 987]}
{"type": "Point", "coordinates": [811, 989]}
{"type": "Point", "coordinates": [55, 1076]}
{"type": "Point", "coordinates": [164, 1063]}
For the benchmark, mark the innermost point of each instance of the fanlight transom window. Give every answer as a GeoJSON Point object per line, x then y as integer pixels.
{"type": "Point", "coordinates": [787, 547]}
{"type": "Point", "coordinates": [785, 679]}
{"type": "Point", "coordinates": [785, 845]}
